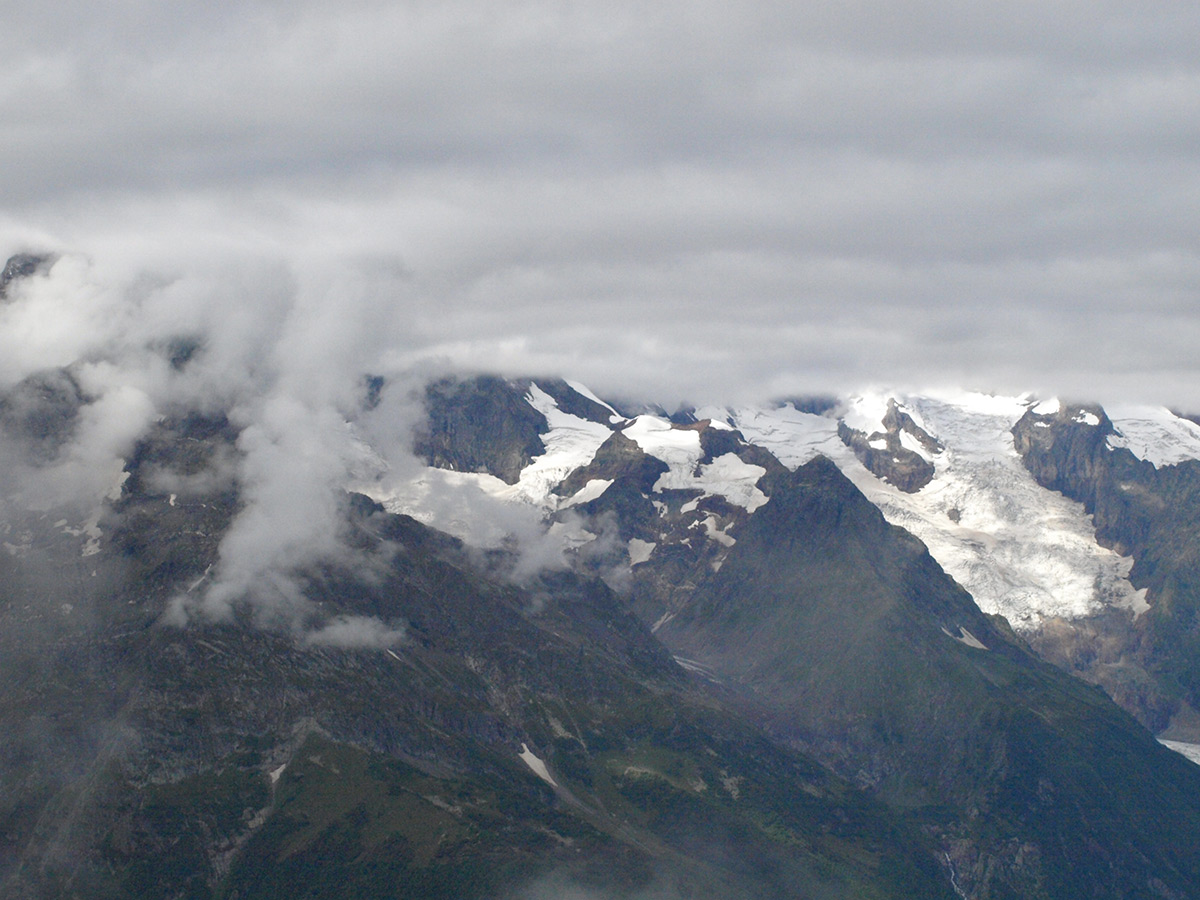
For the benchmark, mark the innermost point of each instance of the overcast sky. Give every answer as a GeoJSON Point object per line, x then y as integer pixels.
{"type": "Point", "coordinates": [687, 200]}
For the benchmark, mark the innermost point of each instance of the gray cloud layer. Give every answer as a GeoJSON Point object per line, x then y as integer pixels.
{"type": "Point", "coordinates": [687, 200]}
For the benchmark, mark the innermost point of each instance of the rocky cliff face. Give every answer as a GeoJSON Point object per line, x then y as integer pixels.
{"type": "Point", "coordinates": [480, 424]}
{"type": "Point", "coordinates": [1148, 512]}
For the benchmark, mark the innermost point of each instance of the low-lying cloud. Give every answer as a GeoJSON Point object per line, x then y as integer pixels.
{"type": "Point", "coordinates": [281, 351]}
{"type": "Point", "coordinates": [350, 632]}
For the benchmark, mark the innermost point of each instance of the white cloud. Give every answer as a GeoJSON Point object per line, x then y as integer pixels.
{"type": "Point", "coordinates": [356, 632]}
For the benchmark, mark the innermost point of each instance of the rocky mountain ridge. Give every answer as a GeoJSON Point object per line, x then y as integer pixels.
{"type": "Point", "coordinates": [1025, 552]}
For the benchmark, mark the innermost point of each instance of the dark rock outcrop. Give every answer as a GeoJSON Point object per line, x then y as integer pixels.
{"type": "Point", "coordinates": [571, 401]}
{"type": "Point", "coordinates": [619, 457]}
{"type": "Point", "coordinates": [20, 265]}
{"type": "Point", "coordinates": [893, 462]}
{"type": "Point", "coordinates": [481, 424]}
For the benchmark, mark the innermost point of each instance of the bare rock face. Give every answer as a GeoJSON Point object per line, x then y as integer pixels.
{"type": "Point", "coordinates": [480, 424]}
{"type": "Point", "coordinates": [884, 453]}
{"type": "Point", "coordinates": [1065, 450]}
{"type": "Point", "coordinates": [21, 265]}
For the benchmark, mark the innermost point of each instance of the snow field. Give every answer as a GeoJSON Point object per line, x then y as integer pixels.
{"type": "Point", "coordinates": [1154, 434]}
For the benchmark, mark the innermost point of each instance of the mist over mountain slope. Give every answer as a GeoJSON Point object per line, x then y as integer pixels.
{"type": "Point", "coordinates": [279, 618]}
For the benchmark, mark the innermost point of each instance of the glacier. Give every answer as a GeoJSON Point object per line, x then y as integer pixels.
{"type": "Point", "coordinates": [1020, 550]}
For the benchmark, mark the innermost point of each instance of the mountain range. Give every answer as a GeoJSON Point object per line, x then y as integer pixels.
{"type": "Point", "coordinates": [535, 643]}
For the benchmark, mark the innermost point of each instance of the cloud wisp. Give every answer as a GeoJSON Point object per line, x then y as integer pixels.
{"type": "Point", "coordinates": [284, 364]}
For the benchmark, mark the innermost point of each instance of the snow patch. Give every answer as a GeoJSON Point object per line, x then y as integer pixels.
{"type": "Point", "coordinates": [679, 448]}
{"type": "Point", "coordinates": [910, 442]}
{"type": "Point", "coordinates": [965, 637]}
{"type": "Point", "coordinates": [114, 493]}
{"type": "Point", "coordinates": [275, 774]}
{"type": "Point", "coordinates": [794, 437]}
{"type": "Point", "coordinates": [1191, 751]}
{"type": "Point", "coordinates": [1047, 407]}
{"type": "Point", "coordinates": [734, 479]}
{"type": "Point", "coordinates": [697, 668]}
{"type": "Point", "coordinates": [662, 620]}
{"type": "Point", "coordinates": [536, 765]}
{"type": "Point", "coordinates": [92, 529]}
{"type": "Point", "coordinates": [569, 535]}
{"type": "Point", "coordinates": [878, 444]}
{"type": "Point", "coordinates": [715, 533]}
{"type": "Point", "coordinates": [199, 581]}
{"type": "Point", "coordinates": [639, 551]}
{"type": "Point", "coordinates": [1087, 418]}
{"type": "Point", "coordinates": [589, 492]}
{"type": "Point", "coordinates": [728, 475]}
